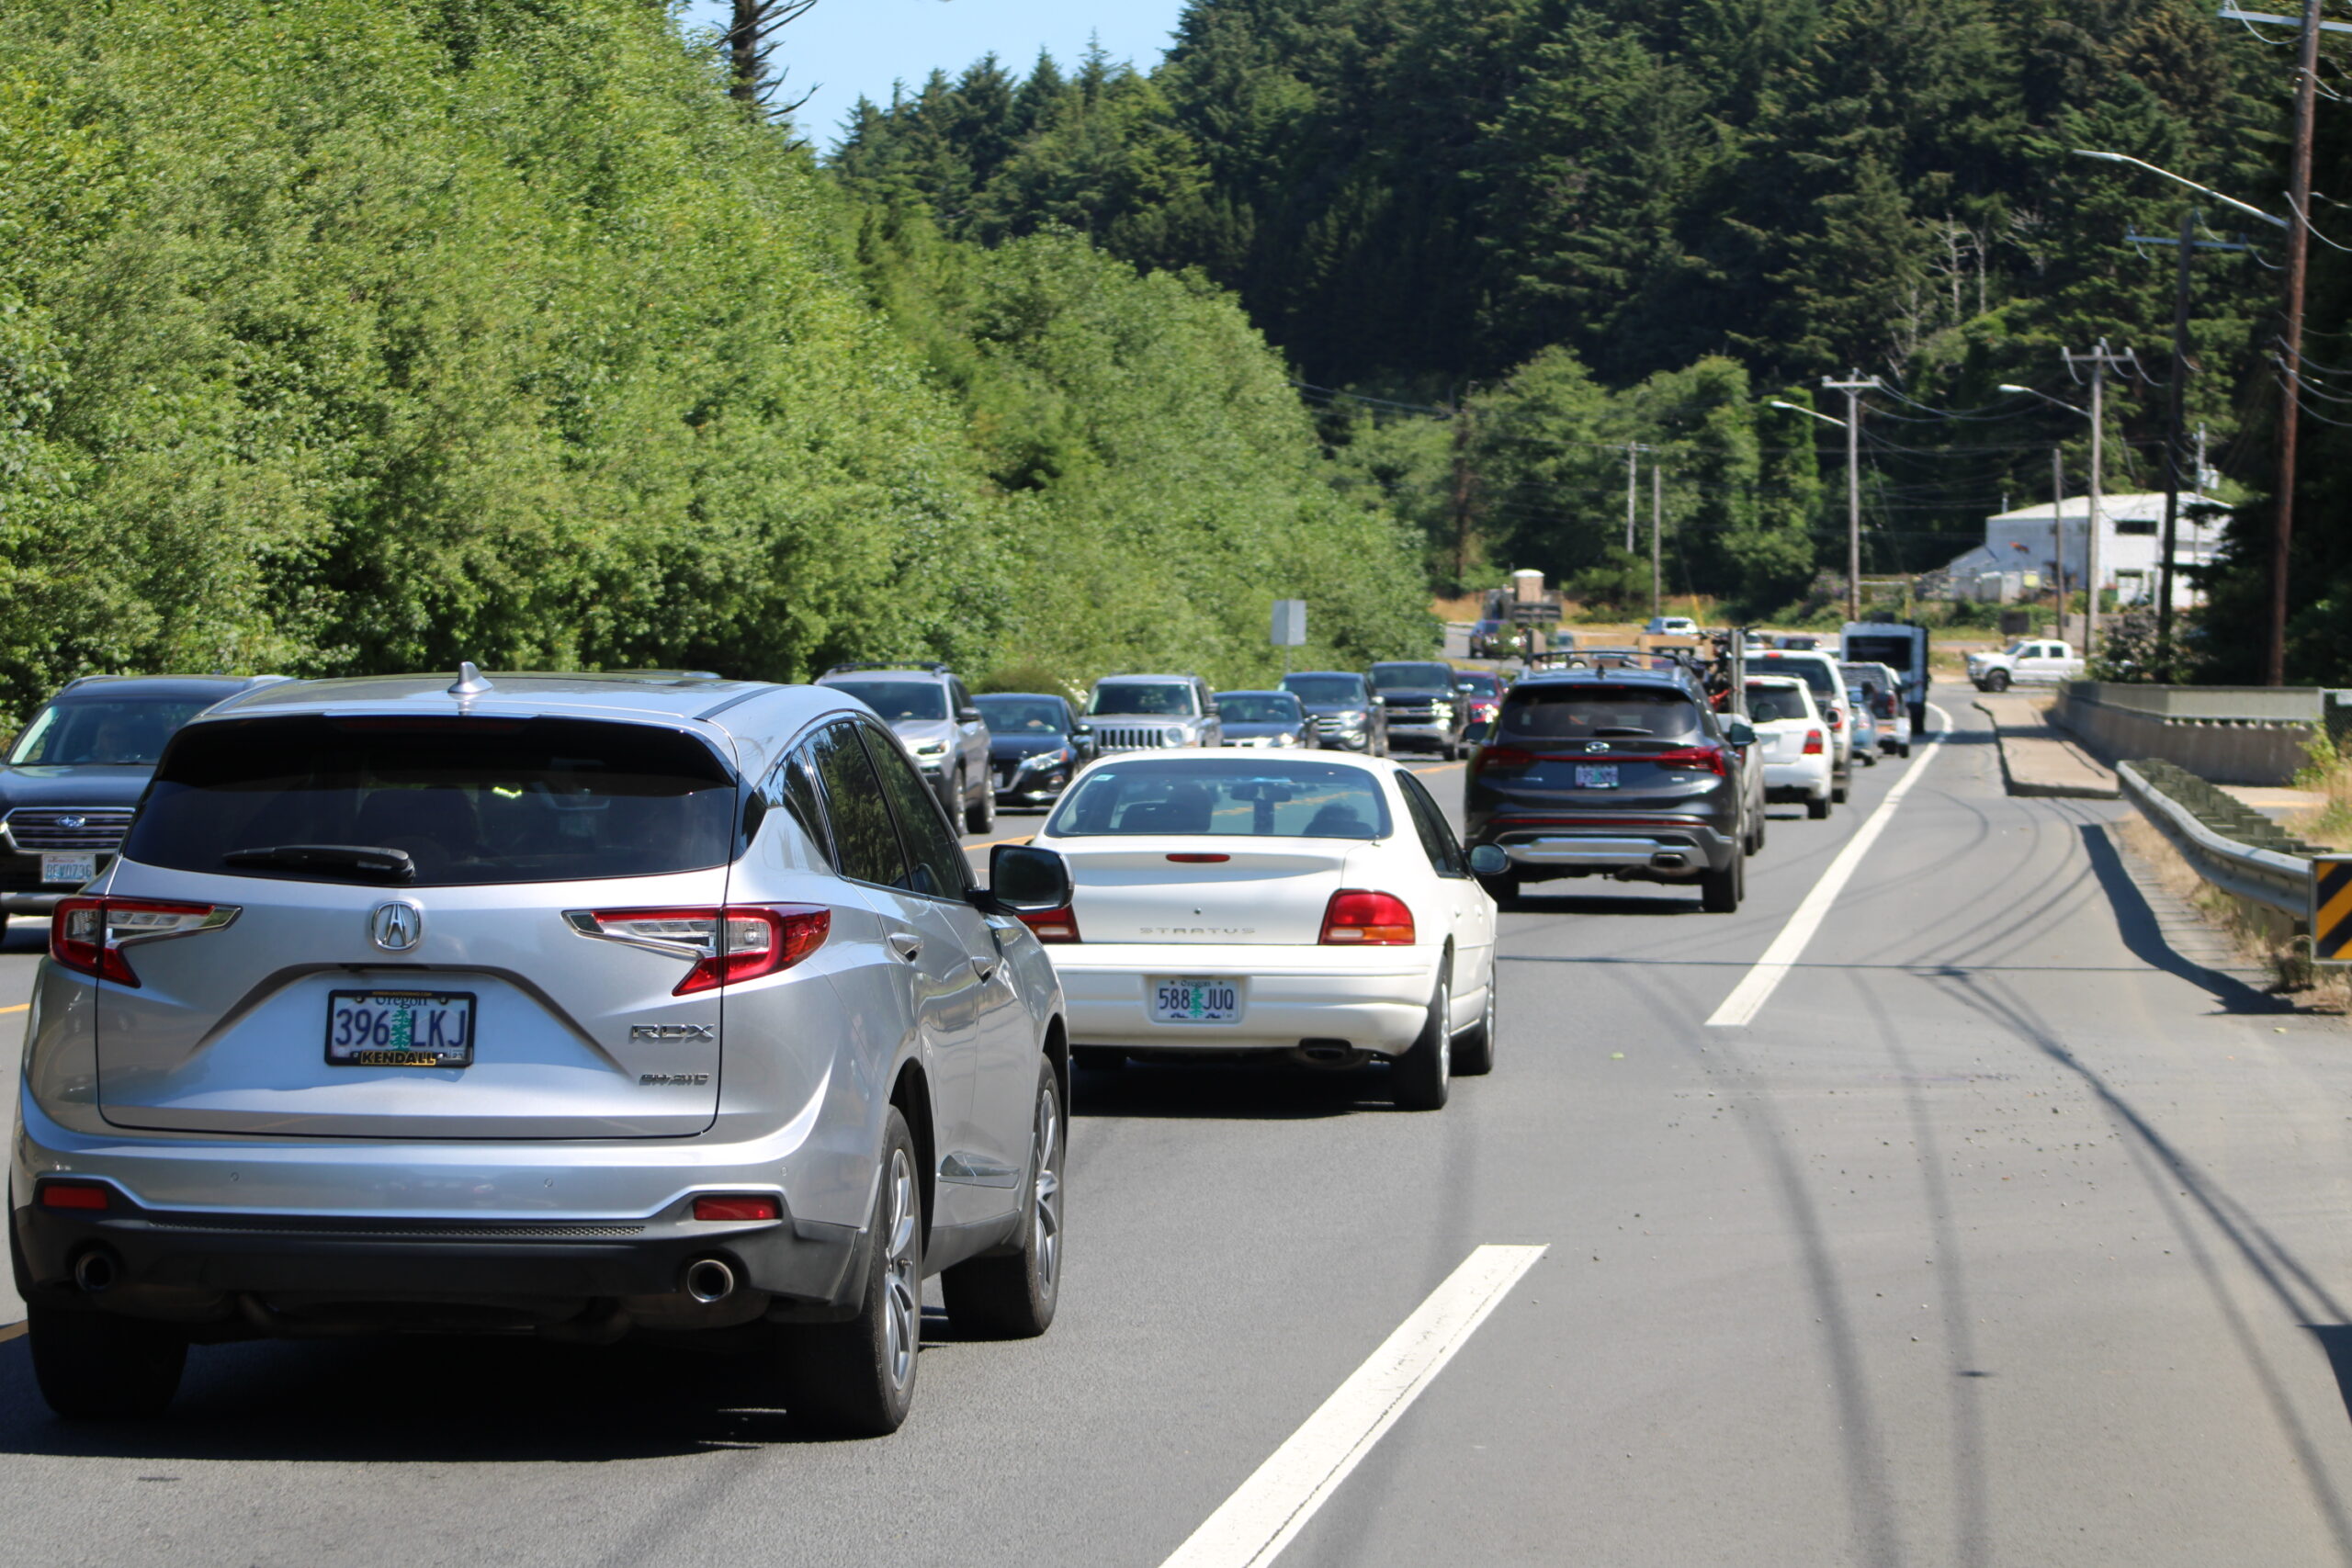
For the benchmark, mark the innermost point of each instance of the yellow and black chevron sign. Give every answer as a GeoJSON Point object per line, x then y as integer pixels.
{"type": "Point", "coordinates": [2332, 908]}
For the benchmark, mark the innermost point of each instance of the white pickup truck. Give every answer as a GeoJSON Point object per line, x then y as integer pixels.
{"type": "Point", "coordinates": [2029, 661]}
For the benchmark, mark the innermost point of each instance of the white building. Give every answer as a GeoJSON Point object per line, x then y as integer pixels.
{"type": "Point", "coordinates": [2130, 545]}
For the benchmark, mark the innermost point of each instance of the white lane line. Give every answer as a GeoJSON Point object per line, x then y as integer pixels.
{"type": "Point", "coordinates": [1756, 987]}
{"type": "Point", "coordinates": [1275, 1503]}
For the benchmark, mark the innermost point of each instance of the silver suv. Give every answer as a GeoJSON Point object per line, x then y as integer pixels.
{"type": "Point", "coordinates": [934, 717]}
{"type": "Point", "coordinates": [1149, 712]}
{"type": "Point", "coordinates": [567, 1005]}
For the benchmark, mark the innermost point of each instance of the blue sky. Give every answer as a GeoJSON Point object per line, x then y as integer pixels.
{"type": "Point", "coordinates": [846, 48]}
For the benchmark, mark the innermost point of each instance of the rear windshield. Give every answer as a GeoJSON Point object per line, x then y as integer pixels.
{"type": "Point", "coordinates": [1012, 715]}
{"type": "Point", "coordinates": [1412, 677]}
{"type": "Point", "coordinates": [1170, 699]}
{"type": "Point", "coordinates": [1259, 707]}
{"type": "Point", "coordinates": [1769, 704]}
{"type": "Point", "coordinates": [1600, 713]}
{"type": "Point", "coordinates": [895, 700]}
{"type": "Point", "coordinates": [1243, 798]}
{"type": "Point", "coordinates": [1814, 672]}
{"type": "Point", "coordinates": [128, 730]}
{"type": "Point", "coordinates": [1325, 691]}
{"type": "Point", "coordinates": [1889, 650]}
{"type": "Point", "coordinates": [468, 801]}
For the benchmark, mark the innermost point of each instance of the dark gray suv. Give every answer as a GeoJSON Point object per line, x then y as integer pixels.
{"type": "Point", "coordinates": [1622, 774]}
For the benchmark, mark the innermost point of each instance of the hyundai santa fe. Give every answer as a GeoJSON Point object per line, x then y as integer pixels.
{"type": "Point", "coordinates": [572, 1006]}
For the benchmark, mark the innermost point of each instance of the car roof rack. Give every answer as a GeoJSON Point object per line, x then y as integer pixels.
{"type": "Point", "coordinates": [932, 666]}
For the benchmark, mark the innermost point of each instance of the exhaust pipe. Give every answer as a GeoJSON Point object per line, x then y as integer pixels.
{"type": "Point", "coordinates": [95, 1271]}
{"type": "Point", "coordinates": [710, 1281]}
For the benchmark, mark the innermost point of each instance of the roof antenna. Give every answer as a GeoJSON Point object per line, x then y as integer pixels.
{"type": "Point", "coordinates": [469, 681]}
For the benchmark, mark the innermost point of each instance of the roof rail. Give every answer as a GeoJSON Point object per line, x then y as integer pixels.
{"type": "Point", "coordinates": [932, 665]}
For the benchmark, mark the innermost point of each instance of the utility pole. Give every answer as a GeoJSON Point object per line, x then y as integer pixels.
{"type": "Point", "coordinates": [1854, 386]}
{"type": "Point", "coordinates": [2058, 529]}
{"type": "Point", "coordinates": [1631, 448]}
{"type": "Point", "coordinates": [1657, 533]}
{"type": "Point", "coordinates": [2099, 359]}
{"type": "Point", "coordinates": [1464, 486]}
{"type": "Point", "coordinates": [2298, 197]}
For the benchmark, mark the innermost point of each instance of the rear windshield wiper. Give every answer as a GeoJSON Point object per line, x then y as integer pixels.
{"type": "Point", "coordinates": [1622, 730]}
{"type": "Point", "coordinates": [366, 860]}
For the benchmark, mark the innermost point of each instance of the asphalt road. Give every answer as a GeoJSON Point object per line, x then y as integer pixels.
{"type": "Point", "coordinates": [2005, 1234]}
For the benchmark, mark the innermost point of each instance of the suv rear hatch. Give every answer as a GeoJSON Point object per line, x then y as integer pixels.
{"type": "Point", "coordinates": [1570, 753]}
{"type": "Point", "coordinates": [328, 994]}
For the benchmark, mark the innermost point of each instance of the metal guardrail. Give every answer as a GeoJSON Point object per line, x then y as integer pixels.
{"type": "Point", "coordinates": [2266, 876]}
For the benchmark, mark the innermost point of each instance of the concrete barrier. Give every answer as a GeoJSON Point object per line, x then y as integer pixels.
{"type": "Point", "coordinates": [2196, 727]}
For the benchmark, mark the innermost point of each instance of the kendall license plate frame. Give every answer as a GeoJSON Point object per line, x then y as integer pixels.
{"type": "Point", "coordinates": [397, 1027]}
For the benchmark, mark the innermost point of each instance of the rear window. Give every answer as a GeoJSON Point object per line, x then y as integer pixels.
{"type": "Point", "coordinates": [897, 700]}
{"type": "Point", "coordinates": [1600, 713]}
{"type": "Point", "coordinates": [125, 731]}
{"type": "Point", "coordinates": [1893, 651]}
{"type": "Point", "coordinates": [1769, 704]}
{"type": "Point", "coordinates": [1814, 672]}
{"type": "Point", "coordinates": [467, 801]}
{"type": "Point", "coordinates": [1241, 798]}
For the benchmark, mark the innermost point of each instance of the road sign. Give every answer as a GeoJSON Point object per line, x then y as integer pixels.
{"type": "Point", "coordinates": [1290, 623]}
{"type": "Point", "coordinates": [2332, 908]}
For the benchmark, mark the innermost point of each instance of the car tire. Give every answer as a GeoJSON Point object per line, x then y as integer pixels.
{"type": "Point", "coordinates": [1918, 719]}
{"type": "Point", "coordinates": [1999, 681]}
{"type": "Point", "coordinates": [1903, 750]}
{"type": "Point", "coordinates": [1012, 1296]}
{"type": "Point", "coordinates": [1763, 825]}
{"type": "Point", "coordinates": [1474, 1053]}
{"type": "Point", "coordinates": [857, 1379]}
{"type": "Point", "coordinates": [979, 816]}
{"type": "Point", "coordinates": [1421, 1078]}
{"type": "Point", "coordinates": [1816, 807]}
{"type": "Point", "coordinates": [94, 1366]}
{"type": "Point", "coordinates": [1838, 793]}
{"type": "Point", "coordinates": [1098, 1058]}
{"type": "Point", "coordinates": [1721, 891]}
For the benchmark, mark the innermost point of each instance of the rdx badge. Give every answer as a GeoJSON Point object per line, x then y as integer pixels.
{"type": "Point", "coordinates": [674, 1032]}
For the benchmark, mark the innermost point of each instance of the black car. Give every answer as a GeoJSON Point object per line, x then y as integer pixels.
{"type": "Point", "coordinates": [1035, 742]}
{"type": "Point", "coordinates": [1347, 716]}
{"type": "Point", "coordinates": [1621, 773]}
{"type": "Point", "coordinates": [1422, 707]}
{"type": "Point", "coordinates": [75, 775]}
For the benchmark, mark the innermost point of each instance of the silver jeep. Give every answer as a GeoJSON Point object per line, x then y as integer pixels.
{"type": "Point", "coordinates": [1152, 713]}
{"type": "Point", "coordinates": [567, 1005]}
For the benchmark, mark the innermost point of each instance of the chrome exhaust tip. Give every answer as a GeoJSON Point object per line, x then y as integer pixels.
{"type": "Point", "coordinates": [95, 1271]}
{"type": "Point", "coordinates": [710, 1281]}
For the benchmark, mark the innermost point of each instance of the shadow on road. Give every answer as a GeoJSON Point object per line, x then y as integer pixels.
{"type": "Point", "coordinates": [1534, 902]}
{"type": "Point", "coordinates": [2143, 934]}
{"type": "Point", "coordinates": [1228, 1091]}
{"type": "Point", "coordinates": [424, 1400]}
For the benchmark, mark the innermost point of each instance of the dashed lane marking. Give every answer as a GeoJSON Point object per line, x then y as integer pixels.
{"type": "Point", "coordinates": [1756, 987]}
{"type": "Point", "coordinates": [1275, 1503]}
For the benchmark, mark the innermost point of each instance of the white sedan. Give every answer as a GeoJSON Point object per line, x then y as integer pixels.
{"type": "Point", "coordinates": [1268, 903]}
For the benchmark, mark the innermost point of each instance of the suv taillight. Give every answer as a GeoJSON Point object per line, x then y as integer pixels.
{"type": "Point", "coordinates": [1710, 758]}
{"type": "Point", "coordinates": [1813, 739]}
{"type": "Point", "coordinates": [727, 944]}
{"type": "Point", "coordinates": [1355, 919]}
{"type": "Point", "coordinates": [87, 935]}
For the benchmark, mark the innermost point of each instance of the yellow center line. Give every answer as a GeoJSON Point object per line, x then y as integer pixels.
{"type": "Point", "coordinates": [11, 1332]}
{"type": "Point", "coordinates": [994, 842]}
{"type": "Point", "coordinates": [20, 1006]}
{"type": "Point", "coordinates": [1434, 768]}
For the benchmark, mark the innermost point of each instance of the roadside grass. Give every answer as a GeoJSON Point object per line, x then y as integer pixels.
{"type": "Point", "coordinates": [2260, 935]}
{"type": "Point", "coordinates": [2329, 770]}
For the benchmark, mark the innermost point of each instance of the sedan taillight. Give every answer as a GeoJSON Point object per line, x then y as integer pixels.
{"type": "Point", "coordinates": [1355, 919]}
{"type": "Point", "coordinates": [727, 943]}
{"type": "Point", "coordinates": [87, 935]}
{"type": "Point", "coordinates": [1055, 925]}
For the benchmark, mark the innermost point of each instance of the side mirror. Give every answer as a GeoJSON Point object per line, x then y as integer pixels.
{"type": "Point", "coordinates": [1081, 728]}
{"type": "Point", "coordinates": [1489, 860]}
{"type": "Point", "coordinates": [968, 716]}
{"type": "Point", "coordinates": [1739, 732]}
{"type": "Point", "coordinates": [1025, 880]}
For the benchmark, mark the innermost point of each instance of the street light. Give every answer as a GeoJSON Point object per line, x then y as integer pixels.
{"type": "Point", "coordinates": [2054, 402]}
{"type": "Point", "coordinates": [2290, 397]}
{"type": "Point", "coordinates": [1800, 408]}
{"type": "Point", "coordinates": [2058, 521]}
{"type": "Point", "coordinates": [1852, 425]}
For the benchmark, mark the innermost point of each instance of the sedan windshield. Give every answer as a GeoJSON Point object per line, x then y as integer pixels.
{"type": "Point", "coordinates": [1202, 795]}
{"type": "Point", "coordinates": [1155, 699]}
{"type": "Point", "coordinates": [1412, 677]}
{"type": "Point", "coordinates": [128, 730]}
{"type": "Point", "coordinates": [1022, 716]}
{"type": "Point", "coordinates": [1600, 713]}
{"type": "Point", "coordinates": [1259, 707]}
{"type": "Point", "coordinates": [1325, 691]}
{"type": "Point", "coordinates": [895, 700]}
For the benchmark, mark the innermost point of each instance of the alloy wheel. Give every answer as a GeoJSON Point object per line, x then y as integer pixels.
{"type": "Point", "coordinates": [902, 1292]}
{"type": "Point", "coordinates": [1046, 1206]}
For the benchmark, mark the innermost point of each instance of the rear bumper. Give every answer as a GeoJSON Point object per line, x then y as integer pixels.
{"type": "Point", "coordinates": [1374, 998]}
{"type": "Point", "coordinates": [544, 1228]}
{"type": "Point", "coordinates": [1806, 780]}
{"type": "Point", "coordinates": [1674, 853]}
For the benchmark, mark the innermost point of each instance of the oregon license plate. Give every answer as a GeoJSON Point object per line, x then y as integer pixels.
{"type": "Point", "coordinates": [71, 867]}
{"type": "Point", "coordinates": [1195, 1001]}
{"type": "Point", "coordinates": [1596, 775]}
{"type": "Point", "coordinates": [400, 1028]}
